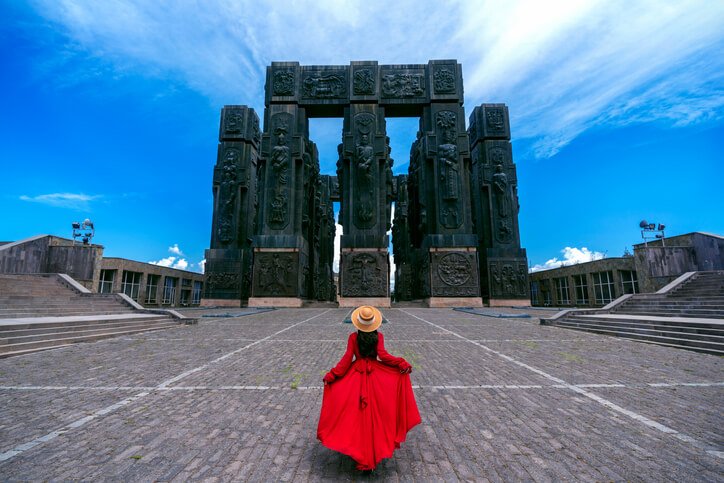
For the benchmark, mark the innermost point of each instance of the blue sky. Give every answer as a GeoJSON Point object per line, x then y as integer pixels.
{"type": "Point", "coordinates": [110, 109]}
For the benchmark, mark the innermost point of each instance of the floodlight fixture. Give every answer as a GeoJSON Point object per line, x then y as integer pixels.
{"type": "Point", "coordinates": [643, 224]}
{"type": "Point", "coordinates": [76, 225]}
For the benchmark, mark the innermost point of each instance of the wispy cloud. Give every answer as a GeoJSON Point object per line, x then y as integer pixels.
{"type": "Point", "coordinates": [73, 201]}
{"type": "Point", "coordinates": [571, 256]}
{"type": "Point", "coordinates": [564, 67]}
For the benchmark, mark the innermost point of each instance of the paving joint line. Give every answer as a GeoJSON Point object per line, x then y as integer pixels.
{"type": "Point", "coordinates": [107, 410]}
{"type": "Point", "coordinates": [583, 392]}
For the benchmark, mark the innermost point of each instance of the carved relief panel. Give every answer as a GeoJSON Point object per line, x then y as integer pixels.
{"type": "Point", "coordinates": [276, 274]}
{"type": "Point", "coordinates": [365, 274]}
{"type": "Point", "coordinates": [454, 274]}
{"type": "Point", "coordinates": [278, 172]}
{"type": "Point", "coordinates": [449, 170]}
{"type": "Point", "coordinates": [402, 83]}
{"type": "Point", "coordinates": [508, 278]}
{"type": "Point", "coordinates": [330, 84]}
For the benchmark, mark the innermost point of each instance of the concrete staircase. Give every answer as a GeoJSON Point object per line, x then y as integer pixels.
{"type": "Point", "coordinates": [687, 315]}
{"type": "Point", "coordinates": [39, 312]}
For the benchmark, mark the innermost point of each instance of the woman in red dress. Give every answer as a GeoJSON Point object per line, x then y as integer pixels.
{"type": "Point", "coordinates": [368, 405]}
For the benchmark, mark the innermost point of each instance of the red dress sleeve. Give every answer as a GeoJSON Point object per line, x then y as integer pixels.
{"type": "Point", "coordinates": [343, 365]}
{"type": "Point", "coordinates": [386, 357]}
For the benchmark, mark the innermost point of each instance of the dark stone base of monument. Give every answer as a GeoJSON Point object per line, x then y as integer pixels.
{"type": "Point", "coordinates": [454, 277]}
{"type": "Point", "coordinates": [506, 280]}
{"type": "Point", "coordinates": [224, 279]}
{"type": "Point", "coordinates": [364, 277]}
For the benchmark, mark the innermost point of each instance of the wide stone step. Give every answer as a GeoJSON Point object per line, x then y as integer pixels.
{"type": "Point", "coordinates": [59, 333]}
{"type": "Point", "coordinates": [47, 322]}
{"type": "Point", "coordinates": [19, 349]}
{"type": "Point", "coordinates": [716, 314]}
{"type": "Point", "coordinates": [673, 341]}
{"type": "Point", "coordinates": [69, 311]}
{"type": "Point", "coordinates": [685, 332]}
{"type": "Point", "coordinates": [9, 331]}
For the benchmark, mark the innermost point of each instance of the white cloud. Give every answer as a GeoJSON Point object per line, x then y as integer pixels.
{"type": "Point", "coordinates": [172, 262]}
{"type": "Point", "coordinates": [571, 256]}
{"type": "Point", "coordinates": [74, 201]}
{"type": "Point", "coordinates": [175, 250]}
{"type": "Point", "coordinates": [202, 265]}
{"type": "Point", "coordinates": [562, 66]}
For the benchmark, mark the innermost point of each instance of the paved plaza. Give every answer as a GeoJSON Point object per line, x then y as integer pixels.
{"type": "Point", "coordinates": [238, 398]}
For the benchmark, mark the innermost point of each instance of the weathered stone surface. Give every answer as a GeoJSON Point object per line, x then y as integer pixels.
{"type": "Point", "coordinates": [364, 273]}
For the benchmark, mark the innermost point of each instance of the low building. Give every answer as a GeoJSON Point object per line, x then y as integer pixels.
{"type": "Point", "coordinates": [149, 285]}
{"type": "Point", "coordinates": [652, 266]}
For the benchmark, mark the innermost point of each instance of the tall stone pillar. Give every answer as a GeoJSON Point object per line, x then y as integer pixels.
{"type": "Point", "coordinates": [401, 244]}
{"type": "Point", "coordinates": [447, 255]}
{"type": "Point", "coordinates": [228, 260]}
{"type": "Point", "coordinates": [281, 246]}
{"type": "Point", "coordinates": [365, 193]}
{"type": "Point", "coordinates": [503, 263]}
{"type": "Point", "coordinates": [324, 232]}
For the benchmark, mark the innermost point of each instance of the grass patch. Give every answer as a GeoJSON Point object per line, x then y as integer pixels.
{"type": "Point", "coordinates": [413, 358]}
{"type": "Point", "coordinates": [570, 357]}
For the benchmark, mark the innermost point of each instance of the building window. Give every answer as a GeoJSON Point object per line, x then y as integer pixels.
{"type": "Point", "coordinates": [534, 292]}
{"type": "Point", "coordinates": [152, 289]}
{"type": "Point", "coordinates": [580, 285]}
{"type": "Point", "coordinates": [106, 283]}
{"type": "Point", "coordinates": [603, 287]}
{"type": "Point", "coordinates": [629, 281]}
{"type": "Point", "coordinates": [196, 297]}
{"type": "Point", "coordinates": [562, 291]}
{"type": "Point", "coordinates": [131, 284]}
{"type": "Point", "coordinates": [169, 290]}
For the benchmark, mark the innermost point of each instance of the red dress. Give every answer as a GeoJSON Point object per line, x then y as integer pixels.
{"type": "Point", "coordinates": [369, 408]}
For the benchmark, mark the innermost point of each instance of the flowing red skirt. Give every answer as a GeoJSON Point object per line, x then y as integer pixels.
{"type": "Point", "coordinates": [367, 413]}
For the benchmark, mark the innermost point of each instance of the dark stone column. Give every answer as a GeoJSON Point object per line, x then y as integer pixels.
{"type": "Point", "coordinates": [365, 193]}
{"type": "Point", "coordinates": [228, 260]}
{"type": "Point", "coordinates": [503, 263]}
{"type": "Point", "coordinates": [447, 255]}
{"type": "Point", "coordinates": [324, 231]}
{"type": "Point", "coordinates": [287, 166]}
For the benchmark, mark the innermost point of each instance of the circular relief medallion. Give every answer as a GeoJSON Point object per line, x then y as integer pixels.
{"type": "Point", "coordinates": [454, 269]}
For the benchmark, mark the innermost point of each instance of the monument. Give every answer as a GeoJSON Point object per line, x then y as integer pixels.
{"type": "Point", "coordinates": [455, 232]}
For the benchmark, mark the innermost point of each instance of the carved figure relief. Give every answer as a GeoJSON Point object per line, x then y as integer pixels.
{"type": "Point", "coordinates": [508, 279]}
{"type": "Point", "coordinates": [283, 83]}
{"type": "Point", "coordinates": [403, 85]}
{"type": "Point", "coordinates": [444, 81]}
{"type": "Point", "coordinates": [227, 195]}
{"type": "Point", "coordinates": [233, 121]}
{"type": "Point", "coordinates": [363, 82]}
{"type": "Point", "coordinates": [454, 269]}
{"type": "Point", "coordinates": [256, 132]}
{"type": "Point", "coordinates": [497, 155]}
{"type": "Point", "coordinates": [325, 86]}
{"type": "Point", "coordinates": [504, 232]}
{"type": "Point", "coordinates": [448, 156]}
{"type": "Point", "coordinates": [494, 119]}
{"type": "Point", "coordinates": [365, 276]}
{"type": "Point", "coordinates": [364, 157]}
{"type": "Point", "coordinates": [502, 192]}
{"type": "Point", "coordinates": [280, 160]}
{"type": "Point", "coordinates": [222, 280]}
{"type": "Point", "coordinates": [274, 270]}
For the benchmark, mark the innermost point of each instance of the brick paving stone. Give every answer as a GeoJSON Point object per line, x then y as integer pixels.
{"type": "Point", "coordinates": [210, 424]}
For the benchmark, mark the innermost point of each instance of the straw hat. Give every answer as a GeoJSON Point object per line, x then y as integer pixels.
{"type": "Point", "coordinates": [366, 318]}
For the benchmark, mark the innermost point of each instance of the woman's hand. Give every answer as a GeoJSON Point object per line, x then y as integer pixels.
{"type": "Point", "coordinates": [328, 378]}
{"type": "Point", "coordinates": [405, 367]}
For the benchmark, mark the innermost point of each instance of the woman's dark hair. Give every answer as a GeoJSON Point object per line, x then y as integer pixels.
{"type": "Point", "coordinates": [367, 343]}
